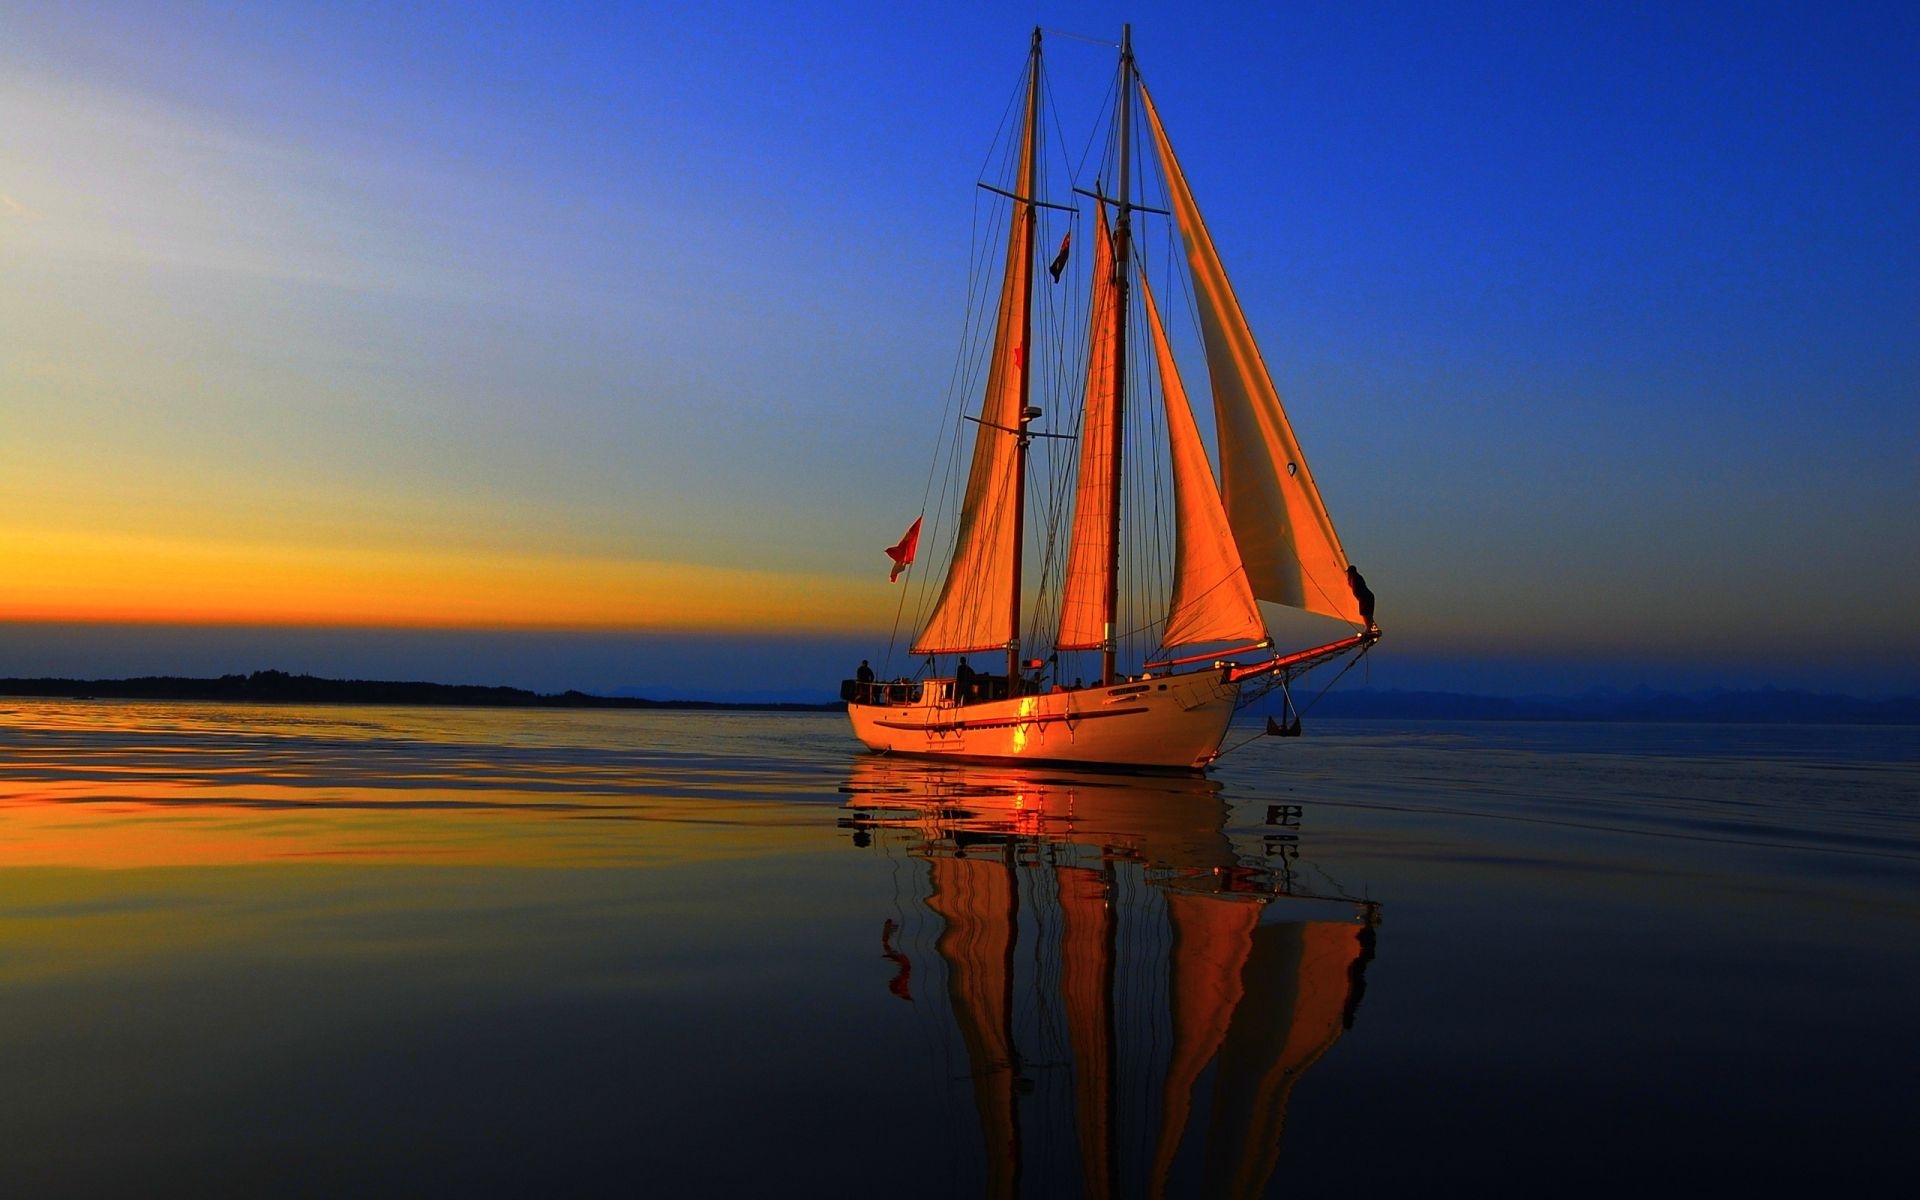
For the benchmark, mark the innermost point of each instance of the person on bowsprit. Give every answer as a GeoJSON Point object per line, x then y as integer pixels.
{"type": "Point", "coordinates": [1363, 594]}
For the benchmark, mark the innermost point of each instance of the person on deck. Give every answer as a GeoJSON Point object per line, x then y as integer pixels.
{"type": "Point", "coordinates": [962, 681]}
{"type": "Point", "coordinates": [865, 673]}
{"type": "Point", "coordinates": [1362, 593]}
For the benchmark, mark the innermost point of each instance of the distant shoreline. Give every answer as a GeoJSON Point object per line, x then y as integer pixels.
{"type": "Point", "coordinates": [1764, 706]}
{"type": "Point", "coordinates": [278, 687]}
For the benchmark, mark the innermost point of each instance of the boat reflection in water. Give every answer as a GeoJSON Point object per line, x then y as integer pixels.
{"type": "Point", "coordinates": [1128, 994]}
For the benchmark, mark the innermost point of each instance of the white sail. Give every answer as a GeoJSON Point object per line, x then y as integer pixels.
{"type": "Point", "coordinates": [1286, 539]}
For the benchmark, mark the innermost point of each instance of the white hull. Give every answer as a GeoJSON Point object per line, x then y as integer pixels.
{"type": "Point", "coordinates": [1169, 722]}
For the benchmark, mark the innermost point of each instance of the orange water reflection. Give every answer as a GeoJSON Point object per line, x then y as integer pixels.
{"type": "Point", "coordinates": [183, 785]}
{"type": "Point", "coordinates": [1116, 970]}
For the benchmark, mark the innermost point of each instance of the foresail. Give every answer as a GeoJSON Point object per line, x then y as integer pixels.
{"type": "Point", "coordinates": [1287, 542]}
{"type": "Point", "coordinates": [1090, 551]}
{"type": "Point", "coordinates": [977, 605]}
{"type": "Point", "coordinates": [1211, 601]}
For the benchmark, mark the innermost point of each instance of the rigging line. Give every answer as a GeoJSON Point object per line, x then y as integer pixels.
{"type": "Point", "coordinates": [1240, 745]}
{"type": "Point", "coordinates": [1095, 131]}
{"type": "Point", "coordinates": [1104, 43]}
{"type": "Point", "coordinates": [1059, 129]}
{"type": "Point", "coordinates": [1351, 664]}
{"type": "Point", "coordinates": [1014, 104]}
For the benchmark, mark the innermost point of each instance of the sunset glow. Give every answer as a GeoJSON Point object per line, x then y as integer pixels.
{"type": "Point", "coordinates": [101, 577]}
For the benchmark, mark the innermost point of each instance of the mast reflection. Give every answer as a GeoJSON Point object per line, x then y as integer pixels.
{"type": "Point", "coordinates": [1128, 989]}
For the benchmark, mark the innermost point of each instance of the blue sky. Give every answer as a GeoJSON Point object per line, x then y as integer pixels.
{"type": "Point", "coordinates": [1601, 325]}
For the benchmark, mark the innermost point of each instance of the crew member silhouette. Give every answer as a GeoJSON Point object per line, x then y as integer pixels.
{"type": "Point", "coordinates": [1362, 593]}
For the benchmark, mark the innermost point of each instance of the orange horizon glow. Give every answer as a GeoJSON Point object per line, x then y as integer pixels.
{"type": "Point", "coordinates": [104, 578]}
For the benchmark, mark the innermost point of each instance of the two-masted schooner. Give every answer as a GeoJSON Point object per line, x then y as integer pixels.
{"type": "Point", "coordinates": [1262, 534]}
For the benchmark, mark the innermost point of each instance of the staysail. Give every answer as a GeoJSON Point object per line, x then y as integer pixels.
{"type": "Point", "coordinates": [978, 607]}
{"type": "Point", "coordinates": [1287, 542]}
{"type": "Point", "coordinates": [1211, 601]}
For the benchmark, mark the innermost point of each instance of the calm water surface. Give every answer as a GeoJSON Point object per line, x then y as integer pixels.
{"type": "Point", "coordinates": [334, 950]}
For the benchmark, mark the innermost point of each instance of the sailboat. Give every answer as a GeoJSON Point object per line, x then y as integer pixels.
{"type": "Point", "coordinates": [1262, 533]}
{"type": "Point", "coordinates": [1127, 996]}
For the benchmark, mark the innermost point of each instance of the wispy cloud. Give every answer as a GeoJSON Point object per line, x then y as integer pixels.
{"type": "Point", "coordinates": [120, 177]}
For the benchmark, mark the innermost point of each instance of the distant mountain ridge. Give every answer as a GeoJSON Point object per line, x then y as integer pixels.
{"type": "Point", "coordinates": [1765, 706]}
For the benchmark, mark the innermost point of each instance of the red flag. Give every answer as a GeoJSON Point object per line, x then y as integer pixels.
{"type": "Point", "coordinates": [902, 554]}
{"type": "Point", "coordinates": [1059, 263]}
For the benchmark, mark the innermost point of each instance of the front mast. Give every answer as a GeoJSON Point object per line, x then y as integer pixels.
{"type": "Point", "coordinates": [1122, 254]}
{"type": "Point", "coordinates": [1024, 358]}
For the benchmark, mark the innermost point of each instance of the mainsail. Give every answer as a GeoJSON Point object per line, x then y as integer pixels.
{"type": "Point", "coordinates": [979, 604]}
{"type": "Point", "coordinates": [1286, 539]}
